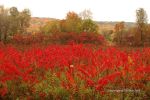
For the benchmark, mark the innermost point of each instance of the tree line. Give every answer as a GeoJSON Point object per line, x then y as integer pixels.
{"type": "Point", "coordinates": [137, 35]}
{"type": "Point", "coordinates": [73, 22]}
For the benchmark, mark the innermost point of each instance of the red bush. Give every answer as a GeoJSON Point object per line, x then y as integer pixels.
{"type": "Point", "coordinates": [71, 66]}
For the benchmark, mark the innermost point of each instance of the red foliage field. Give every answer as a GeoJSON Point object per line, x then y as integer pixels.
{"type": "Point", "coordinates": [73, 72]}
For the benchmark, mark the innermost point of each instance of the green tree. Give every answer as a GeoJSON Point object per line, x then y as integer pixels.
{"type": "Point", "coordinates": [89, 26]}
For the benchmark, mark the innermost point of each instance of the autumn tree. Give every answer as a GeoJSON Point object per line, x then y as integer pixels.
{"type": "Point", "coordinates": [73, 22]}
{"type": "Point", "coordinates": [119, 28]}
{"type": "Point", "coordinates": [14, 18]}
{"type": "Point", "coordinates": [4, 23]}
{"type": "Point", "coordinates": [12, 21]}
{"type": "Point", "coordinates": [141, 22]}
{"type": "Point", "coordinates": [63, 26]}
{"type": "Point", "coordinates": [20, 21]}
{"type": "Point", "coordinates": [51, 27]}
{"type": "Point", "coordinates": [24, 20]}
{"type": "Point", "coordinates": [148, 33]}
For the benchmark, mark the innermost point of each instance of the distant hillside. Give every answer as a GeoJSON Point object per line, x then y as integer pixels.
{"type": "Point", "coordinates": [129, 24]}
{"type": "Point", "coordinates": [37, 22]}
{"type": "Point", "coordinates": [109, 25]}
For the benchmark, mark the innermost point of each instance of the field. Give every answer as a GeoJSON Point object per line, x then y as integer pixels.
{"type": "Point", "coordinates": [74, 72]}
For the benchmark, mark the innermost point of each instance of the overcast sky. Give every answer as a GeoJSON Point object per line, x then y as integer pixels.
{"type": "Point", "coordinates": [103, 10]}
